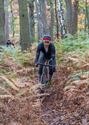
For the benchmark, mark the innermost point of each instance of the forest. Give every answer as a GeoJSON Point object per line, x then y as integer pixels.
{"type": "Point", "coordinates": [23, 99]}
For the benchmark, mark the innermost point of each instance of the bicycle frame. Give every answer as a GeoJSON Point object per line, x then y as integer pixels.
{"type": "Point", "coordinates": [45, 73]}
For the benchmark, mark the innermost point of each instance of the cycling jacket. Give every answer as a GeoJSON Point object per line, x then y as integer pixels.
{"type": "Point", "coordinates": [48, 54]}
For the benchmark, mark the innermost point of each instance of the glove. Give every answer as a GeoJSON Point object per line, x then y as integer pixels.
{"type": "Point", "coordinates": [36, 65]}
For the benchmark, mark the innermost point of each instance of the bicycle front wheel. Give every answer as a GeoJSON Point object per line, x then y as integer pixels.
{"type": "Point", "coordinates": [44, 78]}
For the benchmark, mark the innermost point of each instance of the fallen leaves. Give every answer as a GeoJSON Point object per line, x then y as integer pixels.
{"type": "Point", "coordinates": [73, 87]}
{"type": "Point", "coordinates": [66, 102]}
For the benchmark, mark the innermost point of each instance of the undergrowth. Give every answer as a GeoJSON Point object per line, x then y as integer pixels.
{"type": "Point", "coordinates": [78, 44]}
{"type": "Point", "coordinates": [23, 58]}
{"type": "Point", "coordinates": [73, 43]}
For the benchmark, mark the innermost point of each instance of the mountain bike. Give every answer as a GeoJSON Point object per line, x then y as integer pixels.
{"type": "Point", "coordinates": [45, 72]}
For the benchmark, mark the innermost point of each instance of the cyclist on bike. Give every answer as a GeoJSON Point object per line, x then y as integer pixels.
{"type": "Point", "coordinates": [45, 52]}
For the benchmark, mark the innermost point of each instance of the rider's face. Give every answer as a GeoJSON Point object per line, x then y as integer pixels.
{"type": "Point", "coordinates": [46, 42]}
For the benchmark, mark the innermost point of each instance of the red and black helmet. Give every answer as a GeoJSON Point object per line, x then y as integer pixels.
{"type": "Point", "coordinates": [47, 38]}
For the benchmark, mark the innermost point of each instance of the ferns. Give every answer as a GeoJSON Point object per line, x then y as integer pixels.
{"type": "Point", "coordinates": [10, 83]}
{"type": "Point", "coordinates": [74, 43]}
{"type": "Point", "coordinates": [23, 58]}
{"type": "Point", "coordinates": [4, 92]}
{"type": "Point", "coordinates": [19, 92]}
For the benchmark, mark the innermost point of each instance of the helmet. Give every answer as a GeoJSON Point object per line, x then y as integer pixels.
{"type": "Point", "coordinates": [47, 38]}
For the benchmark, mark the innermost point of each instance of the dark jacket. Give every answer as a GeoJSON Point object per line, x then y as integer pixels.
{"type": "Point", "coordinates": [48, 55]}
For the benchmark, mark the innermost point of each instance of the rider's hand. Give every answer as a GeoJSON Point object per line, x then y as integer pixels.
{"type": "Point", "coordinates": [36, 65]}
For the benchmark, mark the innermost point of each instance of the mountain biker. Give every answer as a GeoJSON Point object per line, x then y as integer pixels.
{"type": "Point", "coordinates": [10, 43]}
{"type": "Point", "coordinates": [45, 52]}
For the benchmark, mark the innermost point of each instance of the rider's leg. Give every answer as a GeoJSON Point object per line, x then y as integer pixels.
{"type": "Point", "coordinates": [52, 69]}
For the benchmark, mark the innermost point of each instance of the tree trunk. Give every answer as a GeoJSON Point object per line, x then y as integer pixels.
{"type": "Point", "coordinates": [43, 16]}
{"type": "Point", "coordinates": [32, 23]}
{"type": "Point", "coordinates": [2, 22]}
{"type": "Point", "coordinates": [61, 19]}
{"type": "Point", "coordinates": [51, 28]}
{"type": "Point", "coordinates": [12, 20]}
{"type": "Point", "coordinates": [88, 19]}
{"type": "Point", "coordinates": [75, 16]}
{"type": "Point", "coordinates": [57, 25]}
{"type": "Point", "coordinates": [85, 15]}
{"type": "Point", "coordinates": [39, 21]}
{"type": "Point", "coordinates": [6, 20]}
{"type": "Point", "coordinates": [69, 16]}
{"type": "Point", "coordinates": [24, 25]}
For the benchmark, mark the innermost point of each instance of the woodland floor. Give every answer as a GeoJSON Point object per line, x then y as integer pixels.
{"type": "Point", "coordinates": [65, 102]}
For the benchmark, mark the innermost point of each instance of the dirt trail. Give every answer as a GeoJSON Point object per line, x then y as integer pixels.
{"type": "Point", "coordinates": [34, 111]}
{"type": "Point", "coordinates": [51, 106]}
{"type": "Point", "coordinates": [65, 105]}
